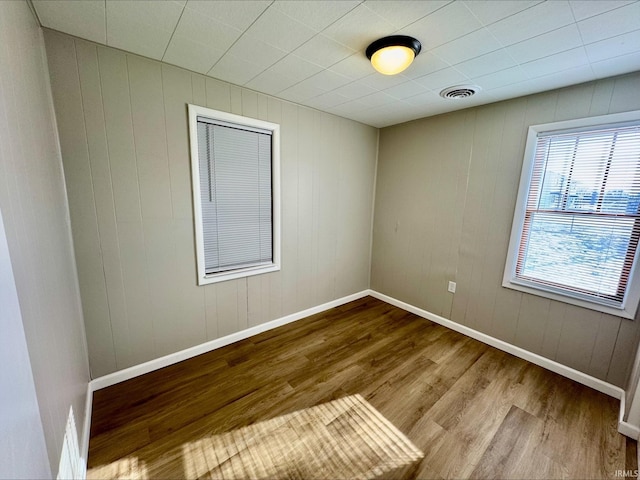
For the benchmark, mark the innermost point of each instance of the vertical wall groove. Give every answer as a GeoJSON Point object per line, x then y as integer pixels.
{"type": "Point", "coordinates": [466, 165]}
{"type": "Point", "coordinates": [328, 166]}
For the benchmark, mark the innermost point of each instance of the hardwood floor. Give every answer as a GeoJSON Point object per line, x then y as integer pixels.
{"type": "Point", "coordinates": [475, 412]}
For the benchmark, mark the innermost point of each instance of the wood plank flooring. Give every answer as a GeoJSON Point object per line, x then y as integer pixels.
{"type": "Point", "coordinates": [475, 412]}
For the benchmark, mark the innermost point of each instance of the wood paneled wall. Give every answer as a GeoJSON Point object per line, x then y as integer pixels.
{"type": "Point", "coordinates": [445, 197]}
{"type": "Point", "coordinates": [123, 130]}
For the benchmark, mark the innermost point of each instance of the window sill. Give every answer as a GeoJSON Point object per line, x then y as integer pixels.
{"type": "Point", "coordinates": [234, 274]}
{"type": "Point", "coordinates": [539, 291]}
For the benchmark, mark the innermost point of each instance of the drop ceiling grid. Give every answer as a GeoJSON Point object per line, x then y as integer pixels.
{"type": "Point", "coordinates": [311, 52]}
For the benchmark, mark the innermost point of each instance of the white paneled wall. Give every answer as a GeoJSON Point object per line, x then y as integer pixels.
{"type": "Point", "coordinates": [445, 196]}
{"type": "Point", "coordinates": [38, 259]}
{"type": "Point", "coordinates": [123, 131]}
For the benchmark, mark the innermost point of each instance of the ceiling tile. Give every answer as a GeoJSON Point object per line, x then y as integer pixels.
{"type": "Point", "coordinates": [315, 14]}
{"type": "Point", "coordinates": [257, 52]}
{"type": "Point", "coordinates": [323, 51]}
{"type": "Point", "coordinates": [491, 11]}
{"type": "Point", "coordinates": [381, 116]}
{"type": "Point", "coordinates": [191, 55]}
{"type": "Point", "coordinates": [312, 52]}
{"type": "Point", "coordinates": [404, 12]}
{"type": "Point", "coordinates": [424, 64]}
{"type": "Point", "coordinates": [617, 66]}
{"type": "Point", "coordinates": [442, 79]}
{"type": "Point", "coordinates": [467, 47]}
{"type": "Point", "coordinates": [621, 45]}
{"type": "Point", "coordinates": [450, 22]}
{"type": "Point", "coordinates": [377, 99]}
{"type": "Point", "coordinates": [588, 8]}
{"type": "Point", "coordinates": [539, 19]}
{"type": "Point", "coordinates": [569, 76]}
{"type": "Point", "coordinates": [234, 69]}
{"type": "Point", "coordinates": [615, 22]}
{"type": "Point", "coordinates": [163, 16]}
{"type": "Point", "coordinates": [199, 41]}
{"type": "Point", "coordinates": [348, 108]}
{"type": "Point", "coordinates": [427, 99]}
{"type": "Point", "coordinates": [206, 30]}
{"type": "Point", "coordinates": [232, 12]}
{"type": "Point", "coordinates": [355, 90]}
{"type": "Point", "coordinates": [294, 68]}
{"type": "Point", "coordinates": [406, 90]}
{"type": "Point", "coordinates": [327, 80]}
{"type": "Point", "coordinates": [514, 90]}
{"type": "Point", "coordinates": [358, 28]}
{"type": "Point", "coordinates": [279, 30]}
{"type": "Point", "coordinates": [500, 79]}
{"type": "Point", "coordinates": [366, 117]}
{"type": "Point", "coordinates": [141, 26]}
{"type": "Point", "coordinates": [84, 19]}
{"type": "Point", "coordinates": [327, 100]}
{"type": "Point", "coordinates": [380, 82]}
{"type": "Point", "coordinates": [270, 82]}
{"type": "Point", "coordinates": [300, 92]}
{"type": "Point", "coordinates": [292, 96]}
{"type": "Point", "coordinates": [556, 63]}
{"type": "Point", "coordinates": [559, 40]}
{"type": "Point", "coordinates": [354, 67]}
{"type": "Point", "coordinates": [485, 64]}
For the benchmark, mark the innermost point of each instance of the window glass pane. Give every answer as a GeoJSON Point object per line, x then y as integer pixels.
{"type": "Point", "coordinates": [235, 166]}
{"type": "Point", "coordinates": [621, 191]}
{"type": "Point", "coordinates": [586, 174]}
{"type": "Point", "coordinates": [579, 231]}
{"type": "Point", "coordinates": [581, 253]}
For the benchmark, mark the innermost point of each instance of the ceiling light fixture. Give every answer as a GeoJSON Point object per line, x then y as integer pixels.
{"type": "Point", "coordinates": [392, 55]}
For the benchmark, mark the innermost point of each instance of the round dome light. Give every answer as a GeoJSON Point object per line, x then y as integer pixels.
{"type": "Point", "coordinates": [391, 55]}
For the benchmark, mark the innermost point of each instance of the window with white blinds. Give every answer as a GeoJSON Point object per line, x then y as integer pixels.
{"type": "Point", "coordinates": [577, 224]}
{"type": "Point", "coordinates": [235, 197]}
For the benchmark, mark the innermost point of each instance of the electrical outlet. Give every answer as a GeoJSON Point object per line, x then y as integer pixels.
{"type": "Point", "coordinates": [452, 287]}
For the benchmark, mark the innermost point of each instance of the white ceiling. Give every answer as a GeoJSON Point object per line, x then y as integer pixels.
{"type": "Point", "coordinates": [312, 52]}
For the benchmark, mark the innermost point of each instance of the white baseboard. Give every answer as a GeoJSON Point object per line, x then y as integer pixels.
{"type": "Point", "coordinates": [156, 364]}
{"type": "Point", "coordinates": [607, 388]}
{"type": "Point", "coordinates": [626, 428]}
{"type": "Point", "coordinates": [629, 430]}
{"type": "Point", "coordinates": [137, 370]}
{"type": "Point", "coordinates": [556, 367]}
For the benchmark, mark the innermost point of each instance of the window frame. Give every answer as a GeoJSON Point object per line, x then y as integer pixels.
{"type": "Point", "coordinates": [629, 306]}
{"type": "Point", "coordinates": [195, 111]}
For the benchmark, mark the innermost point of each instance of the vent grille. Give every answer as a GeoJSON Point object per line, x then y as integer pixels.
{"type": "Point", "coordinates": [460, 91]}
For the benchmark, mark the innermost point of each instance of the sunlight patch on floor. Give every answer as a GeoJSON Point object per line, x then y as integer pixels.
{"type": "Point", "coordinates": [345, 438]}
{"type": "Point", "coordinates": [125, 468]}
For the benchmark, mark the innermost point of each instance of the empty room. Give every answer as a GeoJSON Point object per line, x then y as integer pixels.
{"type": "Point", "coordinates": [326, 239]}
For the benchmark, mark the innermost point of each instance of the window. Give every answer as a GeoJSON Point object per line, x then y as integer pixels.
{"type": "Point", "coordinates": [577, 224]}
{"type": "Point", "coordinates": [235, 174]}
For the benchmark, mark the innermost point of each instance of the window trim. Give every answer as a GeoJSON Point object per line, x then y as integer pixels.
{"type": "Point", "coordinates": [194, 111]}
{"type": "Point", "coordinates": [629, 306]}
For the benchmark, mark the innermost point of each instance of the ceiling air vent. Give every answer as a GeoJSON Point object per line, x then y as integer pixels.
{"type": "Point", "coordinates": [460, 91]}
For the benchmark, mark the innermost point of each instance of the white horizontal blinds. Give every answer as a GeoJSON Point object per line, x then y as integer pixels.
{"type": "Point", "coordinates": [208, 193]}
{"type": "Point", "coordinates": [237, 221]}
{"type": "Point", "coordinates": [581, 225]}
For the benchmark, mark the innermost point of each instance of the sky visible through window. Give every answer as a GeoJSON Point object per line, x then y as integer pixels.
{"type": "Point", "coordinates": [580, 232]}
